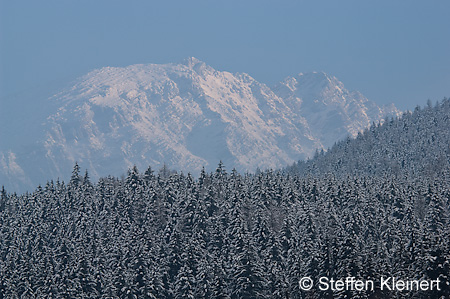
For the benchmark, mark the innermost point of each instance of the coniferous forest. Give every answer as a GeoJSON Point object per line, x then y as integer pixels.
{"type": "Point", "coordinates": [375, 206]}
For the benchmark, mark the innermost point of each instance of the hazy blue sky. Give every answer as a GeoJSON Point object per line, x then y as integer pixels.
{"type": "Point", "coordinates": [391, 51]}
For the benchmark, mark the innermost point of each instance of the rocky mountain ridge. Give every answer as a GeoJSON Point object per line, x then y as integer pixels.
{"type": "Point", "coordinates": [188, 116]}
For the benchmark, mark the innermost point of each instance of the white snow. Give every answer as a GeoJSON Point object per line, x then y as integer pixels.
{"type": "Point", "coordinates": [190, 115]}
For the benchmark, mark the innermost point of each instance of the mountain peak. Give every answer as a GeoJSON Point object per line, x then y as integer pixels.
{"type": "Point", "coordinates": [195, 64]}
{"type": "Point", "coordinates": [192, 61]}
{"type": "Point", "coordinates": [317, 81]}
{"type": "Point", "coordinates": [316, 76]}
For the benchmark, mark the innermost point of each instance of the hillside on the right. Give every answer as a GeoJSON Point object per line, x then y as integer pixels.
{"type": "Point", "coordinates": [415, 145]}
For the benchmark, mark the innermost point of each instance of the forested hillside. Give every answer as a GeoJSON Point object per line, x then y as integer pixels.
{"type": "Point", "coordinates": [417, 144]}
{"type": "Point", "coordinates": [221, 236]}
{"type": "Point", "coordinates": [376, 206]}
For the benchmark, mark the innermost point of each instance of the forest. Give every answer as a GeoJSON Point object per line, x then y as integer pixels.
{"type": "Point", "coordinates": [370, 207]}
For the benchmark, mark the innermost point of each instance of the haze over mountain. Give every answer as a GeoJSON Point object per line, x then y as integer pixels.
{"type": "Point", "coordinates": [187, 116]}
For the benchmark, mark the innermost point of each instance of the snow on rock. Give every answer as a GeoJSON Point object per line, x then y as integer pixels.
{"type": "Point", "coordinates": [190, 115]}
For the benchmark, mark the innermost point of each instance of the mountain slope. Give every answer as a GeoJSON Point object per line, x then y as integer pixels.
{"type": "Point", "coordinates": [413, 145]}
{"type": "Point", "coordinates": [190, 115]}
{"type": "Point", "coordinates": [331, 111]}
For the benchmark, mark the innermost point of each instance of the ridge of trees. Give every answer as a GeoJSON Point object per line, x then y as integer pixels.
{"type": "Point", "coordinates": [414, 145]}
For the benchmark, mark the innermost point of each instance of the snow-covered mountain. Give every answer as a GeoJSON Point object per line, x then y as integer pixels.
{"type": "Point", "coordinates": [187, 116]}
{"type": "Point", "coordinates": [331, 111]}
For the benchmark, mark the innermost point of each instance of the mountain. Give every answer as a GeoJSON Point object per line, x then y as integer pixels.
{"type": "Point", "coordinates": [232, 235]}
{"type": "Point", "coordinates": [187, 116]}
{"type": "Point", "coordinates": [331, 111]}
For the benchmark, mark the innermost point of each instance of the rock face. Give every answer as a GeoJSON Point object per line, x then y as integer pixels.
{"type": "Point", "coordinates": [331, 111]}
{"type": "Point", "coordinates": [187, 116]}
